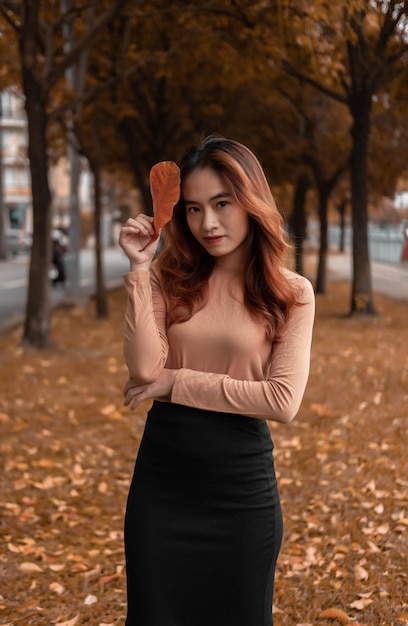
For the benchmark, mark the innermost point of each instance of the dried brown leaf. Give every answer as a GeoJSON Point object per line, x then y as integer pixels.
{"type": "Point", "coordinates": [14, 548]}
{"type": "Point", "coordinates": [90, 599]}
{"type": "Point", "coordinates": [361, 604]}
{"type": "Point", "coordinates": [57, 567]}
{"type": "Point", "coordinates": [70, 622]}
{"type": "Point", "coordinates": [57, 588]}
{"type": "Point", "coordinates": [335, 613]}
{"type": "Point", "coordinates": [165, 191]}
{"type": "Point", "coordinates": [360, 573]}
{"type": "Point", "coordinates": [30, 568]}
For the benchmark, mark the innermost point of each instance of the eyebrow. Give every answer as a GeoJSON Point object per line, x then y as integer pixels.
{"type": "Point", "coordinates": [222, 194]}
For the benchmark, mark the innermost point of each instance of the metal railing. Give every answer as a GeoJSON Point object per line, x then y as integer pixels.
{"type": "Point", "coordinates": [385, 243]}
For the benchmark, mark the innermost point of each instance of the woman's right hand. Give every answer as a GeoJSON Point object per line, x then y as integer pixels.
{"type": "Point", "coordinates": [133, 238]}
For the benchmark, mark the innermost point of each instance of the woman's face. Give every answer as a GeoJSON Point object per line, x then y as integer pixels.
{"type": "Point", "coordinates": [215, 218]}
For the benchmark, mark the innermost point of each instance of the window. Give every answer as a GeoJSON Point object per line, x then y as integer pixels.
{"type": "Point", "coordinates": [16, 180]}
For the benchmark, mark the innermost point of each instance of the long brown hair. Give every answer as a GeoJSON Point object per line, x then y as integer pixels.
{"type": "Point", "coordinates": [186, 266]}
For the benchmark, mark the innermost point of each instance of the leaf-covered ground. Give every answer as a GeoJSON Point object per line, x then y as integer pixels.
{"type": "Point", "coordinates": [67, 448]}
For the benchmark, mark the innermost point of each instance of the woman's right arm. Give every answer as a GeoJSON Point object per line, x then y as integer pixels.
{"type": "Point", "coordinates": [145, 339]}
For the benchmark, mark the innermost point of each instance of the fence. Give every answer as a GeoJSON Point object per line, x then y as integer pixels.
{"type": "Point", "coordinates": [385, 243]}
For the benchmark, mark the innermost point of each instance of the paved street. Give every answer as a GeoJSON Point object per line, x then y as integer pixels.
{"type": "Point", "coordinates": [390, 279]}
{"type": "Point", "coordinates": [14, 281]}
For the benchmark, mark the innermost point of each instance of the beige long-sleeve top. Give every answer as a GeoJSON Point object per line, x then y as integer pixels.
{"type": "Point", "coordinates": [224, 360]}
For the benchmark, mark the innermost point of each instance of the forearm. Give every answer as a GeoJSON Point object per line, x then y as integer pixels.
{"type": "Point", "coordinates": [271, 400]}
{"type": "Point", "coordinates": [145, 347]}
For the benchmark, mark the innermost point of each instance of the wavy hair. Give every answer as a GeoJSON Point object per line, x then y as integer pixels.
{"type": "Point", "coordinates": [186, 266]}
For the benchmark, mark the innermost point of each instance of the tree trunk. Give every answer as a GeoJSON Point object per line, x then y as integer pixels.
{"type": "Point", "coordinates": [74, 272]}
{"type": "Point", "coordinates": [38, 310]}
{"type": "Point", "coordinates": [75, 77]}
{"type": "Point", "coordinates": [3, 252]}
{"type": "Point", "coordinates": [342, 214]}
{"type": "Point", "coordinates": [297, 221]}
{"type": "Point", "coordinates": [323, 245]}
{"type": "Point", "coordinates": [101, 298]}
{"type": "Point", "coordinates": [361, 296]}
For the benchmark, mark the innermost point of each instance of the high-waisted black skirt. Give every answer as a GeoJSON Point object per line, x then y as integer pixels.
{"type": "Point", "coordinates": [203, 524]}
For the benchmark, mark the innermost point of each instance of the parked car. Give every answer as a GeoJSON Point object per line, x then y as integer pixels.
{"type": "Point", "coordinates": [17, 241]}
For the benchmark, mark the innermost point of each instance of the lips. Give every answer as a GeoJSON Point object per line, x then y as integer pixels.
{"type": "Point", "coordinates": [212, 240]}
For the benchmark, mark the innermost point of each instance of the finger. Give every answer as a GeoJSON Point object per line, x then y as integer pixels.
{"type": "Point", "coordinates": [142, 222]}
{"type": "Point", "coordinates": [135, 403]}
{"type": "Point", "coordinates": [137, 230]}
{"type": "Point", "coordinates": [129, 384]}
{"type": "Point", "coordinates": [131, 394]}
{"type": "Point", "coordinates": [128, 398]}
{"type": "Point", "coordinates": [140, 218]}
{"type": "Point", "coordinates": [136, 400]}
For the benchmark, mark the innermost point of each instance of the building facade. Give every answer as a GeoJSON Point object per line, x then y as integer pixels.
{"type": "Point", "coordinates": [14, 162]}
{"type": "Point", "coordinates": [15, 167]}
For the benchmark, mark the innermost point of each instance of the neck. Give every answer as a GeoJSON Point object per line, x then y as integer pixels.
{"type": "Point", "coordinates": [233, 262]}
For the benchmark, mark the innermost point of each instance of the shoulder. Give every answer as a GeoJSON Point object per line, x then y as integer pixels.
{"type": "Point", "coordinates": [302, 287]}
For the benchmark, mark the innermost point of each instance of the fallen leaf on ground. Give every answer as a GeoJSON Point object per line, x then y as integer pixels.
{"type": "Point", "coordinates": [70, 622]}
{"type": "Point", "coordinates": [30, 568]}
{"type": "Point", "coordinates": [335, 613]}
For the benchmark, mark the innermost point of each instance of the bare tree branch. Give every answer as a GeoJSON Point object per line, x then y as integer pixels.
{"type": "Point", "coordinates": [5, 8]}
{"type": "Point", "coordinates": [292, 71]}
{"type": "Point", "coordinates": [91, 94]}
{"type": "Point", "coordinates": [295, 103]}
{"type": "Point", "coordinates": [388, 28]}
{"type": "Point", "coordinates": [193, 7]}
{"type": "Point", "coordinates": [58, 69]}
{"type": "Point", "coordinates": [11, 5]}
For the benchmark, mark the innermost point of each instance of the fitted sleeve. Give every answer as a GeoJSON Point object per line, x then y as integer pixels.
{"type": "Point", "coordinates": [276, 398]}
{"type": "Point", "coordinates": [145, 339]}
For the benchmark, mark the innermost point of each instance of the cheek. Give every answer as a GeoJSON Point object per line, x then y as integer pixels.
{"type": "Point", "coordinates": [243, 227]}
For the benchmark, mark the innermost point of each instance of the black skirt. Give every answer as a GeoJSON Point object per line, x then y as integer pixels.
{"type": "Point", "coordinates": [203, 524]}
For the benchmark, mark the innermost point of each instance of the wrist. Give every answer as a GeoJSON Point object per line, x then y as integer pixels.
{"type": "Point", "coordinates": [135, 267]}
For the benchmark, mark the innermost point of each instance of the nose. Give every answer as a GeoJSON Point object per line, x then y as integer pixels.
{"type": "Point", "coordinates": [210, 220]}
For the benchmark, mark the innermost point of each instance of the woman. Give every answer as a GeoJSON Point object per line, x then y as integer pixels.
{"type": "Point", "coordinates": [218, 334]}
